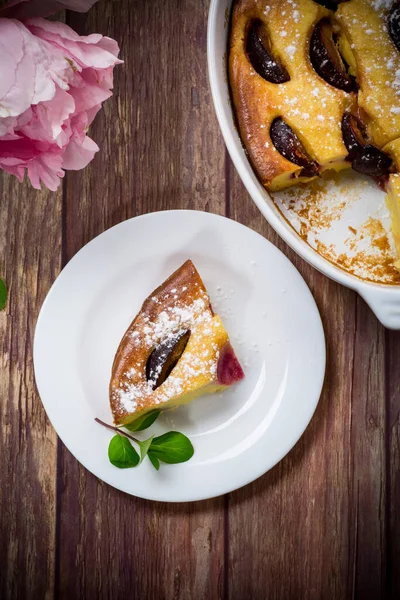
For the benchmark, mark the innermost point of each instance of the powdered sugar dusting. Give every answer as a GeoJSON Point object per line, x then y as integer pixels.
{"type": "Point", "coordinates": [290, 50]}
{"type": "Point", "coordinates": [185, 314]}
{"type": "Point", "coordinates": [176, 319]}
{"type": "Point", "coordinates": [381, 4]}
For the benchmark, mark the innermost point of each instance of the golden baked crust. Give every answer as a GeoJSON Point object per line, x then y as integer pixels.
{"type": "Point", "coordinates": [393, 195]}
{"type": "Point", "coordinates": [180, 305]}
{"type": "Point", "coordinates": [375, 62]}
{"type": "Point", "coordinates": [307, 103]}
{"type": "Point", "coordinates": [393, 202]}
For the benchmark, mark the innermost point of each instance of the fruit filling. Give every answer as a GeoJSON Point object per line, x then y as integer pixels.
{"type": "Point", "coordinates": [259, 54]}
{"type": "Point", "coordinates": [288, 144]}
{"type": "Point", "coordinates": [364, 157]}
{"type": "Point", "coordinates": [164, 358]}
{"type": "Point", "coordinates": [229, 370]}
{"type": "Point", "coordinates": [326, 58]}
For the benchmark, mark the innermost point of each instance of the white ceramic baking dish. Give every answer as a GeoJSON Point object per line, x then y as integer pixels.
{"type": "Point", "coordinates": [384, 300]}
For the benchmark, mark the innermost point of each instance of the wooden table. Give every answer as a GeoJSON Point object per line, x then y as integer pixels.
{"type": "Point", "coordinates": [325, 522]}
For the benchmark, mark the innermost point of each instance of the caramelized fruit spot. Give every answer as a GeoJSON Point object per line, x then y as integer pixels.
{"type": "Point", "coordinates": [372, 162]}
{"type": "Point", "coordinates": [364, 157]}
{"type": "Point", "coordinates": [229, 370]}
{"type": "Point", "coordinates": [353, 134]}
{"type": "Point", "coordinates": [289, 145]}
{"type": "Point", "coordinates": [164, 358]}
{"type": "Point", "coordinates": [259, 54]}
{"type": "Point", "coordinates": [326, 59]}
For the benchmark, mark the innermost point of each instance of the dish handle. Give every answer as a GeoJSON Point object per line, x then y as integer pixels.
{"type": "Point", "coordinates": [385, 303]}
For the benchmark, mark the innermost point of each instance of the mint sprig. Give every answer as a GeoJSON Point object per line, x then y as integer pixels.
{"type": "Point", "coordinates": [3, 294]}
{"type": "Point", "coordinates": [122, 454]}
{"type": "Point", "coordinates": [144, 421]}
{"type": "Point", "coordinates": [154, 461]}
{"type": "Point", "coordinates": [172, 447]}
{"type": "Point", "coordinates": [144, 447]}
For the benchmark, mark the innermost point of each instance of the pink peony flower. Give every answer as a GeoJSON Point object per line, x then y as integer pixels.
{"type": "Point", "coordinates": [52, 84]}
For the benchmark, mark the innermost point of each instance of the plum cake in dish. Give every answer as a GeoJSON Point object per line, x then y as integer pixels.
{"type": "Point", "coordinates": [315, 86]}
{"type": "Point", "coordinates": [175, 350]}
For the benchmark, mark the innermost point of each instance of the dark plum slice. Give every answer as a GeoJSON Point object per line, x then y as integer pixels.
{"type": "Point", "coordinates": [372, 162]}
{"type": "Point", "coordinates": [259, 54]}
{"type": "Point", "coordinates": [394, 24]}
{"type": "Point", "coordinates": [353, 134]}
{"type": "Point", "coordinates": [229, 370]}
{"type": "Point", "coordinates": [364, 157]}
{"type": "Point", "coordinates": [165, 357]}
{"type": "Point", "coordinates": [288, 144]}
{"type": "Point", "coordinates": [326, 59]}
{"type": "Point", "coordinates": [331, 4]}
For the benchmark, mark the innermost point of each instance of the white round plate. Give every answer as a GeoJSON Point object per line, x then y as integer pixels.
{"type": "Point", "coordinates": [267, 309]}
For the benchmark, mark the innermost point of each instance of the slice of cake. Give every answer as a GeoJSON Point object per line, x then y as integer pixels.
{"type": "Point", "coordinates": [175, 350]}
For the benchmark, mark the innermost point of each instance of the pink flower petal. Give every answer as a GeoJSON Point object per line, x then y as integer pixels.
{"type": "Point", "coordinates": [30, 70]}
{"type": "Point", "coordinates": [21, 150]}
{"type": "Point", "coordinates": [49, 117]}
{"type": "Point", "coordinates": [48, 169]}
{"type": "Point", "coordinates": [88, 94]}
{"type": "Point", "coordinates": [87, 51]}
{"type": "Point", "coordinates": [91, 113]}
{"type": "Point", "coordinates": [7, 126]}
{"type": "Point", "coordinates": [16, 170]}
{"type": "Point", "coordinates": [78, 155]}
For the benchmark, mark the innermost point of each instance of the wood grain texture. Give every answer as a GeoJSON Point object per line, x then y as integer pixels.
{"type": "Point", "coordinates": [30, 259]}
{"type": "Point", "coordinates": [321, 525]}
{"type": "Point", "coordinates": [393, 463]}
{"type": "Point", "coordinates": [160, 149]}
{"type": "Point", "coordinates": [368, 471]}
{"type": "Point", "coordinates": [301, 529]}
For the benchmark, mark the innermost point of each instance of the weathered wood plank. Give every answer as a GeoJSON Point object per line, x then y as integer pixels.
{"type": "Point", "coordinates": [160, 149]}
{"type": "Point", "coordinates": [30, 258]}
{"type": "Point", "coordinates": [368, 464]}
{"type": "Point", "coordinates": [393, 462]}
{"type": "Point", "coordinates": [291, 532]}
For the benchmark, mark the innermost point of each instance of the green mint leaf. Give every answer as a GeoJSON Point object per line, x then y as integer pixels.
{"type": "Point", "coordinates": [144, 421]}
{"type": "Point", "coordinates": [121, 453]}
{"type": "Point", "coordinates": [3, 295]}
{"type": "Point", "coordinates": [144, 447]}
{"type": "Point", "coordinates": [154, 460]}
{"type": "Point", "coordinates": [172, 447]}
